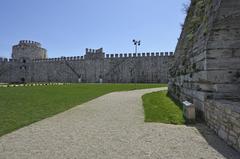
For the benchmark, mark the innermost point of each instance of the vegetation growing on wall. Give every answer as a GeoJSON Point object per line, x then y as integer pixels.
{"type": "Point", "coordinates": [196, 17]}
{"type": "Point", "coordinates": [196, 23]}
{"type": "Point", "coordinates": [194, 34]}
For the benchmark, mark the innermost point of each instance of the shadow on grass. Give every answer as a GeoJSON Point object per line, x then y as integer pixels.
{"type": "Point", "coordinates": [158, 107]}
{"type": "Point", "coordinates": [179, 104]}
{"type": "Point", "coordinates": [210, 136]}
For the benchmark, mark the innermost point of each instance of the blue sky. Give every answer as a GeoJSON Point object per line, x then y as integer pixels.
{"type": "Point", "coordinates": [67, 27]}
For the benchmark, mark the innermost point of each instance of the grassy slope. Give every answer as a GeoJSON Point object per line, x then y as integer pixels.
{"type": "Point", "coordinates": [158, 107]}
{"type": "Point", "coordinates": [20, 106]}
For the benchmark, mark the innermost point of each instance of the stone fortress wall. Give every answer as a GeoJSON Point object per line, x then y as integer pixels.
{"type": "Point", "coordinates": [206, 68]}
{"type": "Point", "coordinates": [29, 65]}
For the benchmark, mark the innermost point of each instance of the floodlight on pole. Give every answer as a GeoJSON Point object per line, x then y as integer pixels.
{"type": "Point", "coordinates": [136, 43]}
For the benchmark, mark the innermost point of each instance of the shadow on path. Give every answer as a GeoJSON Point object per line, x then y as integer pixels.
{"type": "Point", "coordinates": [217, 143]}
{"type": "Point", "coordinates": [210, 136]}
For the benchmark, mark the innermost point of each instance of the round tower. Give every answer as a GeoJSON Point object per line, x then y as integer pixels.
{"type": "Point", "coordinates": [27, 49]}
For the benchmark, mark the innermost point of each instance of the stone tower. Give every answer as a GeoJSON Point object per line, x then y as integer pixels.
{"type": "Point", "coordinates": [28, 50]}
{"type": "Point", "coordinates": [92, 54]}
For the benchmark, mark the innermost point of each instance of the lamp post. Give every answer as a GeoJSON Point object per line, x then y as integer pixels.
{"type": "Point", "coordinates": [136, 43]}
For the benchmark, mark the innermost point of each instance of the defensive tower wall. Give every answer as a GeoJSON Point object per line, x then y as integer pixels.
{"type": "Point", "coordinates": [112, 68]}
{"type": "Point", "coordinates": [27, 49]}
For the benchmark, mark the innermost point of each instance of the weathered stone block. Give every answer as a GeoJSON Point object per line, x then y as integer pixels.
{"type": "Point", "coordinates": [238, 142]}
{"type": "Point", "coordinates": [233, 139]}
{"type": "Point", "coordinates": [236, 129]}
{"type": "Point", "coordinates": [189, 111]}
{"type": "Point", "coordinates": [223, 134]}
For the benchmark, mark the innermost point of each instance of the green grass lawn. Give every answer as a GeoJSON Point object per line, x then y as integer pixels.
{"type": "Point", "coordinates": [20, 106]}
{"type": "Point", "coordinates": [158, 107]}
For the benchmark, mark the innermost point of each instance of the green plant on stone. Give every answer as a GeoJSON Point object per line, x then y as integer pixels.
{"type": "Point", "coordinates": [196, 17]}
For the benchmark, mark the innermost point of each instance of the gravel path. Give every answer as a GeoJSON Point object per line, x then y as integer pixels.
{"type": "Point", "coordinates": [111, 127]}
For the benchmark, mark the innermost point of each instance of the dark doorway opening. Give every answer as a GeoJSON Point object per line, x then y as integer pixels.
{"type": "Point", "coordinates": [22, 80]}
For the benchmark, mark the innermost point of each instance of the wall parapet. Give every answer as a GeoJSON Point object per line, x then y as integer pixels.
{"type": "Point", "coordinates": [7, 60]}
{"type": "Point", "coordinates": [63, 58]}
{"type": "Point", "coordinates": [30, 42]}
{"type": "Point", "coordinates": [29, 46]}
{"type": "Point", "coordinates": [107, 56]}
{"type": "Point", "coordinates": [132, 55]}
{"type": "Point", "coordinates": [92, 51]}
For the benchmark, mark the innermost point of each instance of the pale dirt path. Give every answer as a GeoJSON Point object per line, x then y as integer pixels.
{"type": "Point", "coordinates": [110, 127]}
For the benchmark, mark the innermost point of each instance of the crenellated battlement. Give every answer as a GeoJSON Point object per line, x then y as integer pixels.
{"type": "Point", "coordinates": [92, 51]}
{"type": "Point", "coordinates": [91, 54]}
{"type": "Point", "coordinates": [107, 56]}
{"type": "Point", "coordinates": [29, 42]}
{"type": "Point", "coordinates": [133, 55]}
{"type": "Point", "coordinates": [71, 58]}
{"type": "Point", "coordinates": [5, 60]}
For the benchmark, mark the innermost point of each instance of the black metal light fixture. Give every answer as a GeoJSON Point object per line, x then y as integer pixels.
{"type": "Point", "coordinates": [136, 43]}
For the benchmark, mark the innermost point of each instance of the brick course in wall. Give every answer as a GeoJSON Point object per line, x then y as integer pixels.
{"type": "Point", "coordinates": [223, 116]}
